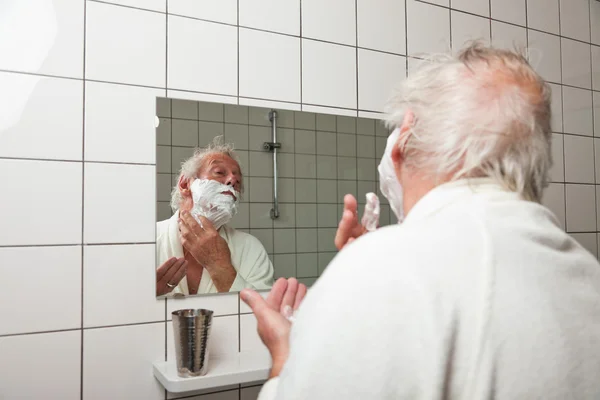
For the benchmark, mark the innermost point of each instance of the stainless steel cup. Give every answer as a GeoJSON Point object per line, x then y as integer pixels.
{"type": "Point", "coordinates": [191, 329]}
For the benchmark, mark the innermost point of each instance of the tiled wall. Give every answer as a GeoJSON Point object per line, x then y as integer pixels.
{"type": "Point", "coordinates": [78, 166]}
{"type": "Point", "coordinates": [322, 157]}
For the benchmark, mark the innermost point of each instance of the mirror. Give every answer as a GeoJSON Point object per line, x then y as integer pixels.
{"type": "Point", "coordinates": [320, 158]}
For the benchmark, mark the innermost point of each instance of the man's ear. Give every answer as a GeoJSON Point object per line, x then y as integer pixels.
{"type": "Point", "coordinates": [184, 186]}
{"type": "Point", "coordinates": [405, 131]}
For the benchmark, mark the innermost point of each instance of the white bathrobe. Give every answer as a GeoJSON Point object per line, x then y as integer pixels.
{"type": "Point", "coordinates": [477, 295]}
{"type": "Point", "coordinates": [248, 257]}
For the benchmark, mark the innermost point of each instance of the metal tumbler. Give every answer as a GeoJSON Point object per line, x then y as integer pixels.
{"type": "Point", "coordinates": [191, 329]}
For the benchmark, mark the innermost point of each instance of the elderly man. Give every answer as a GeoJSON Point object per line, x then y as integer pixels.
{"type": "Point", "coordinates": [478, 293]}
{"type": "Point", "coordinates": [196, 251]}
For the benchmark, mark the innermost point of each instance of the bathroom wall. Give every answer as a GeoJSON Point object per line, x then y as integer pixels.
{"type": "Point", "coordinates": [322, 157]}
{"type": "Point", "coordinates": [79, 318]}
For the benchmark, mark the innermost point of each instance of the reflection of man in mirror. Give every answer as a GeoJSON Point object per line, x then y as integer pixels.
{"type": "Point", "coordinates": [197, 252]}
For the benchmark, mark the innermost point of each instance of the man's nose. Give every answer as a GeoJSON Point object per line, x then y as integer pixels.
{"type": "Point", "coordinates": [232, 180]}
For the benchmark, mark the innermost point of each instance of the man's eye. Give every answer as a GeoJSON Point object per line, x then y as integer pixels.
{"type": "Point", "coordinates": [219, 172]}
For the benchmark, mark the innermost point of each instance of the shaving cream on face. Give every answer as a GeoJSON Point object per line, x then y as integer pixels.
{"type": "Point", "coordinates": [212, 202]}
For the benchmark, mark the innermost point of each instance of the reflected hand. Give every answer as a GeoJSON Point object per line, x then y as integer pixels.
{"type": "Point", "coordinates": [208, 248]}
{"type": "Point", "coordinates": [171, 272]}
{"type": "Point", "coordinates": [349, 227]}
{"type": "Point", "coordinates": [273, 328]}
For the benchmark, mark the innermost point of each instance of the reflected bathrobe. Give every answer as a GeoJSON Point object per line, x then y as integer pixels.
{"type": "Point", "coordinates": [477, 295]}
{"type": "Point", "coordinates": [248, 257]}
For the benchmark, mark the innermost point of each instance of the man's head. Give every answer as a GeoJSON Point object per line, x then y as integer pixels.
{"type": "Point", "coordinates": [484, 113]}
{"type": "Point", "coordinates": [217, 162]}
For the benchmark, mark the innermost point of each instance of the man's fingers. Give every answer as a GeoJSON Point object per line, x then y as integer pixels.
{"type": "Point", "coordinates": [275, 296]}
{"type": "Point", "coordinates": [180, 263]}
{"type": "Point", "coordinates": [179, 274]}
{"type": "Point", "coordinates": [350, 204]}
{"type": "Point", "coordinates": [255, 301]}
{"type": "Point", "coordinates": [346, 228]}
{"type": "Point", "coordinates": [162, 270]}
{"type": "Point", "coordinates": [207, 226]}
{"type": "Point", "coordinates": [191, 223]}
{"type": "Point", "coordinates": [300, 295]}
{"type": "Point", "coordinates": [289, 297]}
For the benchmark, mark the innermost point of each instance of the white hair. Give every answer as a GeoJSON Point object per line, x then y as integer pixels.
{"type": "Point", "coordinates": [191, 166]}
{"type": "Point", "coordinates": [483, 113]}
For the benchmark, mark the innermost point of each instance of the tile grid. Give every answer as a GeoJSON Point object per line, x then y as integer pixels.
{"type": "Point", "coordinates": [85, 163]}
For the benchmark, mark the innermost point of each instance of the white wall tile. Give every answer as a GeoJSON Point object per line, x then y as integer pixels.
{"type": "Point", "coordinates": [328, 74]}
{"type": "Point", "coordinates": [466, 28]}
{"type": "Point", "coordinates": [179, 94]}
{"type": "Point", "coordinates": [220, 11]}
{"type": "Point", "coordinates": [46, 38]}
{"type": "Point", "coordinates": [119, 123]}
{"type": "Point", "coordinates": [202, 56]}
{"type": "Point", "coordinates": [576, 64]}
{"type": "Point", "coordinates": [595, 21]}
{"type": "Point", "coordinates": [154, 5]}
{"type": "Point", "coordinates": [577, 111]}
{"type": "Point", "coordinates": [513, 11]}
{"type": "Point", "coordinates": [381, 25]}
{"type": "Point", "coordinates": [119, 203]}
{"type": "Point", "coordinates": [557, 172]}
{"type": "Point", "coordinates": [428, 28]}
{"type": "Point", "coordinates": [543, 15]}
{"type": "Point", "coordinates": [554, 199]}
{"type": "Point", "coordinates": [49, 270]}
{"type": "Point", "coordinates": [596, 67]}
{"type": "Point", "coordinates": [579, 159]}
{"type": "Point", "coordinates": [122, 356]}
{"type": "Point", "coordinates": [556, 108]}
{"type": "Point", "coordinates": [125, 45]}
{"type": "Point", "coordinates": [581, 208]}
{"type": "Point", "coordinates": [269, 66]}
{"type": "Point", "coordinates": [220, 304]}
{"type": "Point", "coordinates": [271, 15]}
{"type": "Point", "coordinates": [544, 55]}
{"type": "Point", "coordinates": [125, 272]}
{"type": "Point", "coordinates": [378, 74]}
{"type": "Point", "coordinates": [575, 19]}
{"type": "Point", "coordinates": [596, 112]}
{"type": "Point", "coordinates": [480, 7]}
{"type": "Point", "coordinates": [269, 104]}
{"type": "Point", "coordinates": [53, 366]}
{"type": "Point", "coordinates": [507, 36]}
{"type": "Point", "coordinates": [249, 340]}
{"type": "Point", "coordinates": [329, 110]}
{"type": "Point", "coordinates": [588, 241]}
{"type": "Point", "coordinates": [42, 117]}
{"type": "Point", "coordinates": [223, 338]}
{"type": "Point", "coordinates": [41, 202]}
{"type": "Point", "coordinates": [332, 20]}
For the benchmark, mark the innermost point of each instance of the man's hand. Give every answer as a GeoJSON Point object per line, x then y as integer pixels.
{"type": "Point", "coordinates": [170, 273]}
{"type": "Point", "coordinates": [273, 328]}
{"type": "Point", "coordinates": [208, 248]}
{"type": "Point", "coordinates": [349, 227]}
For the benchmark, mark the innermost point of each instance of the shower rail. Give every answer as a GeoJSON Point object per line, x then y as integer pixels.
{"type": "Point", "coordinates": [273, 146]}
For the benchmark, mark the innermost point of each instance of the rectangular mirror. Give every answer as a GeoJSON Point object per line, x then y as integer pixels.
{"type": "Point", "coordinates": [319, 159]}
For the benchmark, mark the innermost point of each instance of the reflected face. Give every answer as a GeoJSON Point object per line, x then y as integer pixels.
{"type": "Point", "coordinates": [223, 169]}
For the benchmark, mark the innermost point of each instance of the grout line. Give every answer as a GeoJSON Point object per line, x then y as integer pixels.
{"type": "Point", "coordinates": [126, 6]}
{"type": "Point", "coordinates": [562, 101]}
{"type": "Point", "coordinates": [82, 161]}
{"type": "Point", "coordinates": [238, 51]}
{"type": "Point", "coordinates": [593, 125]}
{"type": "Point", "coordinates": [81, 364]}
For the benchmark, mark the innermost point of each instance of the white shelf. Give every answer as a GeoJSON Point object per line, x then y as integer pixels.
{"type": "Point", "coordinates": [222, 371]}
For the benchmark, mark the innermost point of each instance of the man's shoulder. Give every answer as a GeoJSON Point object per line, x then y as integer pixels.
{"type": "Point", "coordinates": [162, 227]}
